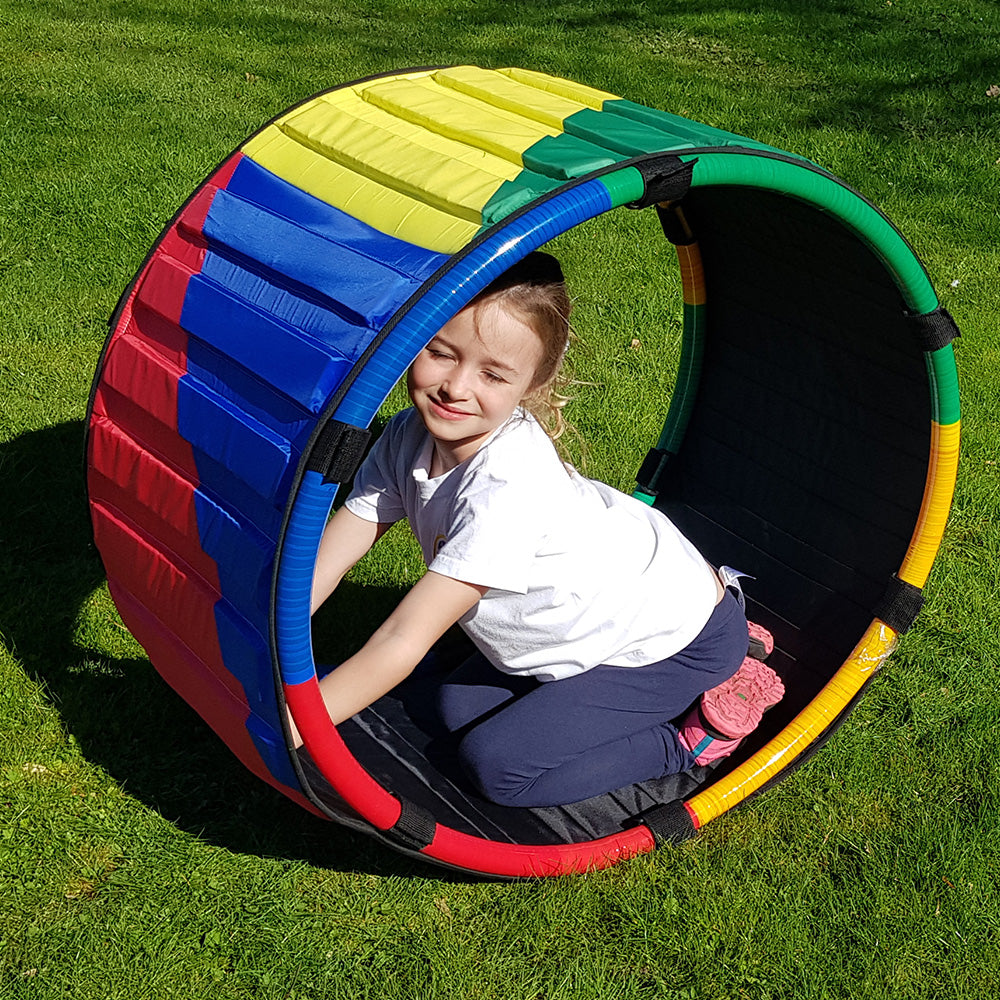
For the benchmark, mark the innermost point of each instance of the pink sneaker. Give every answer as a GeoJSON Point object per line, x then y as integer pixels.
{"type": "Point", "coordinates": [736, 706]}
{"type": "Point", "coordinates": [716, 726]}
{"type": "Point", "coordinates": [701, 743]}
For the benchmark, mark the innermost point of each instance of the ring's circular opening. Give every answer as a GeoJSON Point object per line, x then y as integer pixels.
{"type": "Point", "coordinates": [628, 322]}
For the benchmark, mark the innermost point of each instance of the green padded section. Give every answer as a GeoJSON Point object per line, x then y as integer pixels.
{"type": "Point", "coordinates": [681, 132]}
{"type": "Point", "coordinates": [565, 157]}
{"type": "Point", "coordinates": [515, 194]}
{"type": "Point", "coordinates": [623, 135]}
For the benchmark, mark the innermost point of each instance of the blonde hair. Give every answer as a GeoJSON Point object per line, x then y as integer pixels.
{"type": "Point", "coordinates": [534, 291]}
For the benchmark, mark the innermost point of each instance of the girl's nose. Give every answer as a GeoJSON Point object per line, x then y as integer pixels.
{"type": "Point", "coordinates": [455, 385]}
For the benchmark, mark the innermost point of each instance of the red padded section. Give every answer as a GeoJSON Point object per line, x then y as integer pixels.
{"type": "Point", "coordinates": [182, 599]}
{"type": "Point", "coordinates": [149, 494]}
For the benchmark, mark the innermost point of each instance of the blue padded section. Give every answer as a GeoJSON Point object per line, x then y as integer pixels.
{"type": "Point", "coordinates": [246, 580]}
{"type": "Point", "coordinates": [341, 334]}
{"type": "Point", "coordinates": [235, 440]}
{"type": "Point", "coordinates": [253, 183]}
{"type": "Point", "coordinates": [211, 370]}
{"type": "Point", "coordinates": [294, 365]}
{"type": "Point", "coordinates": [269, 740]}
{"type": "Point", "coordinates": [235, 496]}
{"type": "Point", "coordinates": [248, 657]}
{"type": "Point", "coordinates": [290, 294]}
{"type": "Point", "coordinates": [251, 663]}
{"type": "Point", "coordinates": [363, 290]}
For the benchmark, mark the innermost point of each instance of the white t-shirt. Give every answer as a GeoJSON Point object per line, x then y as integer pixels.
{"type": "Point", "coordinates": [578, 573]}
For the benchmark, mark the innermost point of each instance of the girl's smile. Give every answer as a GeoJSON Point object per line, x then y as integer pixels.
{"type": "Point", "coordinates": [470, 378]}
{"type": "Point", "coordinates": [448, 412]}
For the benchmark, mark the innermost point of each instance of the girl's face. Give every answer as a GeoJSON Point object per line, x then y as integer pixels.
{"type": "Point", "coordinates": [469, 379]}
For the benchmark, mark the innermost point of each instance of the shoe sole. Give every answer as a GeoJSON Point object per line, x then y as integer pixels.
{"type": "Point", "coordinates": [736, 706]}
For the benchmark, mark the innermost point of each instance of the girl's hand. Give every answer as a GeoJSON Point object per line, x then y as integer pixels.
{"type": "Point", "coordinates": [428, 610]}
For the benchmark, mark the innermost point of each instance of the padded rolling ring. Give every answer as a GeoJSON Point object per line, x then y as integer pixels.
{"type": "Point", "coordinates": [811, 440]}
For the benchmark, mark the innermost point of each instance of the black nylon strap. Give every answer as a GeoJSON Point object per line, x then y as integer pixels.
{"type": "Point", "coordinates": [338, 451]}
{"type": "Point", "coordinates": [415, 827]}
{"type": "Point", "coordinates": [669, 823]}
{"type": "Point", "coordinates": [666, 180]}
{"type": "Point", "coordinates": [933, 330]}
{"type": "Point", "coordinates": [900, 605]}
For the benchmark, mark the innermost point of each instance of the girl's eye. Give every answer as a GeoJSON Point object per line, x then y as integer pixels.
{"type": "Point", "coordinates": [493, 377]}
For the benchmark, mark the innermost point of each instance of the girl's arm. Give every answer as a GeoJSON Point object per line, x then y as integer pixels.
{"type": "Point", "coordinates": [346, 539]}
{"type": "Point", "coordinates": [428, 610]}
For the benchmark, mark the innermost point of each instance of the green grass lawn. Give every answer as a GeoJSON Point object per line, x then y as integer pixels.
{"type": "Point", "coordinates": [138, 859]}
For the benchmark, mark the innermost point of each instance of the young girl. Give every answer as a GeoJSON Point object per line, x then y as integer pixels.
{"type": "Point", "coordinates": [597, 623]}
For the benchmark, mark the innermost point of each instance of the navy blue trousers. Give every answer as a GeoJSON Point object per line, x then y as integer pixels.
{"type": "Point", "coordinates": [526, 743]}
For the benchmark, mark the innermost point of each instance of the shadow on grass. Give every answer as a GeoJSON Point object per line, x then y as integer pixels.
{"type": "Point", "coordinates": [123, 717]}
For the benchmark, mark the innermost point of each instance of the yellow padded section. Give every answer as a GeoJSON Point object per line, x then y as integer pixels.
{"type": "Point", "coordinates": [365, 145]}
{"type": "Point", "coordinates": [400, 153]}
{"type": "Point", "coordinates": [503, 91]}
{"type": "Point", "coordinates": [369, 201]}
{"type": "Point", "coordinates": [418, 155]}
{"type": "Point", "coordinates": [452, 114]}
{"type": "Point", "coordinates": [578, 92]}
